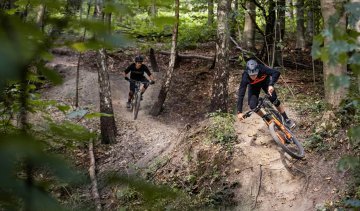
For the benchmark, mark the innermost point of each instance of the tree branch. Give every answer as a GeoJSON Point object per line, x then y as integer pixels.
{"type": "Point", "coordinates": [94, 189]}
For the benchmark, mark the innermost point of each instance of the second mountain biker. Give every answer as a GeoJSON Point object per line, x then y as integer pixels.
{"type": "Point", "coordinates": [137, 71]}
{"type": "Point", "coordinates": [258, 77]}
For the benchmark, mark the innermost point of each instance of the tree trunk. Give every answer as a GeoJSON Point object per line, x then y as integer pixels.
{"type": "Point", "coordinates": [281, 18]}
{"type": "Point", "coordinates": [156, 109]}
{"type": "Point", "coordinates": [40, 17]}
{"type": "Point", "coordinates": [300, 39]}
{"type": "Point", "coordinates": [280, 31]}
{"type": "Point", "coordinates": [249, 27]}
{"type": "Point", "coordinates": [357, 28]}
{"type": "Point", "coordinates": [210, 12]}
{"type": "Point", "coordinates": [107, 123]}
{"type": "Point", "coordinates": [332, 96]}
{"type": "Point", "coordinates": [233, 24]}
{"type": "Point", "coordinates": [153, 62]}
{"type": "Point", "coordinates": [290, 12]}
{"type": "Point", "coordinates": [152, 12]}
{"type": "Point", "coordinates": [219, 96]}
{"type": "Point", "coordinates": [310, 23]}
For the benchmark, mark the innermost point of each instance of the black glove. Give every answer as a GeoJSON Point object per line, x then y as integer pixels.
{"type": "Point", "coordinates": [126, 78]}
{"type": "Point", "coordinates": [152, 82]}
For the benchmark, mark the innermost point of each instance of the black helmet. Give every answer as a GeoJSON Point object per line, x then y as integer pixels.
{"type": "Point", "coordinates": [139, 58]}
{"type": "Point", "coordinates": [252, 67]}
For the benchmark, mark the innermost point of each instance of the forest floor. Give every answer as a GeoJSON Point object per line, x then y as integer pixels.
{"type": "Point", "coordinates": [268, 180]}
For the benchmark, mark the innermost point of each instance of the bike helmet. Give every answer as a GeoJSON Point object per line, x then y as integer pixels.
{"type": "Point", "coordinates": [139, 58]}
{"type": "Point", "coordinates": [252, 67]}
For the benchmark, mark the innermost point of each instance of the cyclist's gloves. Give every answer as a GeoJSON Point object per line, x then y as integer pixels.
{"type": "Point", "coordinates": [152, 82]}
{"type": "Point", "coordinates": [127, 78]}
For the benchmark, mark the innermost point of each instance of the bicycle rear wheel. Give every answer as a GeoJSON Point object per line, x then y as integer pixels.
{"type": "Point", "coordinates": [289, 144]}
{"type": "Point", "coordinates": [136, 105]}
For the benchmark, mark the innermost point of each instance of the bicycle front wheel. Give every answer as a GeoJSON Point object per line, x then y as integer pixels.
{"type": "Point", "coordinates": [286, 140]}
{"type": "Point", "coordinates": [136, 105]}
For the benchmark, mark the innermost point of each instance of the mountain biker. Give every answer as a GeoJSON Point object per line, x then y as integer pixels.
{"type": "Point", "coordinates": [137, 70]}
{"type": "Point", "coordinates": [257, 77]}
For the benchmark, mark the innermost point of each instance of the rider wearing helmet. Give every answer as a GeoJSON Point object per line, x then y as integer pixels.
{"type": "Point", "coordinates": [257, 77]}
{"type": "Point", "coordinates": [137, 71]}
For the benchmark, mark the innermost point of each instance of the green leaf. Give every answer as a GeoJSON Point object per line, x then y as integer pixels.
{"type": "Point", "coordinates": [335, 82]}
{"type": "Point", "coordinates": [71, 131]}
{"type": "Point", "coordinates": [353, 10]}
{"type": "Point", "coordinates": [355, 58]}
{"type": "Point", "coordinates": [96, 115]}
{"type": "Point", "coordinates": [51, 75]}
{"type": "Point", "coordinates": [164, 20]}
{"type": "Point", "coordinates": [63, 108]}
{"type": "Point", "coordinates": [354, 134]}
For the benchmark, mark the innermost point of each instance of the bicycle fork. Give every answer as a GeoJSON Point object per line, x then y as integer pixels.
{"type": "Point", "coordinates": [268, 118]}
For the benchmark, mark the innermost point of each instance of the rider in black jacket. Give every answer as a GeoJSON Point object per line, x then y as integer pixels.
{"type": "Point", "coordinates": [257, 77]}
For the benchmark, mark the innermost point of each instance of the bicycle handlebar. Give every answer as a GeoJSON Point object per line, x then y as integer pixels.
{"type": "Point", "coordinates": [143, 82]}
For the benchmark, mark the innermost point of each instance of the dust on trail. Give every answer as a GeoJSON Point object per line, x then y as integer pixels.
{"type": "Point", "coordinates": [142, 141]}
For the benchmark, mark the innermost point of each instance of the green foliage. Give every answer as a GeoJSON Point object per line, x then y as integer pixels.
{"type": "Point", "coordinates": [222, 128]}
{"type": "Point", "coordinates": [191, 35]}
{"type": "Point", "coordinates": [317, 142]}
{"type": "Point", "coordinates": [26, 150]}
{"type": "Point", "coordinates": [342, 49]}
{"type": "Point", "coordinates": [135, 193]}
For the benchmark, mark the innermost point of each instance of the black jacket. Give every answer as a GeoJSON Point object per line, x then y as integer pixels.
{"type": "Point", "coordinates": [265, 75]}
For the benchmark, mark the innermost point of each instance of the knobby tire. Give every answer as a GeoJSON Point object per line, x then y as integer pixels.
{"type": "Point", "coordinates": [136, 105]}
{"type": "Point", "coordinates": [294, 148]}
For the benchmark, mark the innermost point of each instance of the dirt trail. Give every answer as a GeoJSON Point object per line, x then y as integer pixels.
{"type": "Point", "coordinates": [140, 142]}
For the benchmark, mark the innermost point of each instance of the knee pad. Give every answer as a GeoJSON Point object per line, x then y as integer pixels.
{"type": "Point", "coordinates": [276, 102]}
{"type": "Point", "coordinates": [253, 102]}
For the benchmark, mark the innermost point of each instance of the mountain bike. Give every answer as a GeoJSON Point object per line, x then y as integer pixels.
{"type": "Point", "coordinates": [282, 135]}
{"type": "Point", "coordinates": [135, 101]}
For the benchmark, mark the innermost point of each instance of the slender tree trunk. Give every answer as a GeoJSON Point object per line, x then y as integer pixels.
{"type": "Point", "coordinates": [153, 62]}
{"type": "Point", "coordinates": [332, 96]}
{"type": "Point", "coordinates": [233, 24]}
{"type": "Point", "coordinates": [40, 16]}
{"type": "Point", "coordinates": [281, 18]}
{"type": "Point", "coordinates": [249, 27]}
{"type": "Point", "coordinates": [152, 12]}
{"type": "Point", "coordinates": [210, 12]}
{"type": "Point", "coordinates": [269, 31]}
{"type": "Point", "coordinates": [219, 96]}
{"type": "Point", "coordinates": [156, 109]}
{"type": "Point", "coordinates": [279, 31]}
{"type": "Point", "coordinates": [357, 28]}
{"type": "Point", "coordinates": [107, 123]}
{"type": "Point", "coordinates": [310, 23]}
{"type": "Point", "coordinates": [300, 38]}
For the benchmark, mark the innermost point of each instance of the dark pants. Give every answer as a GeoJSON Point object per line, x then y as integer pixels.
{"type": "Point", "coordinates": [254, 92]}
{"type": "Point", "coordinates": [143, 79]}
{"type": "Point", "coordinates": [132, 85]}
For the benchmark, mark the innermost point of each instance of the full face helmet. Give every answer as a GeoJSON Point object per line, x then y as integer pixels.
{"type": "Point", "coordinates": [252, 67]}
{"type": "Point", "coordinates": [139, 58]}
